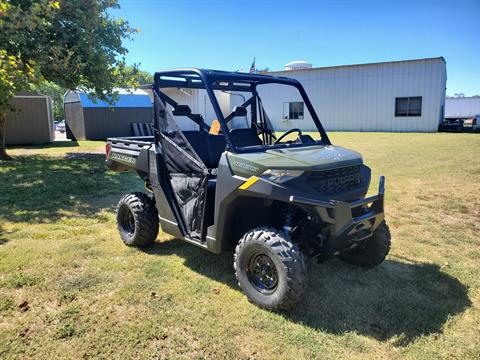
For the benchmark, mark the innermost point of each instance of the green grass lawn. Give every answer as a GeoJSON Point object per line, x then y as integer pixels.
{"type": "Point", "coordinates": [69, 288]}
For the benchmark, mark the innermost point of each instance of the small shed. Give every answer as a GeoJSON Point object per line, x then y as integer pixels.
{"type": "Point", "coordinates": [93, 119]}
{"type": "Point", "coordinates": [31, 121]}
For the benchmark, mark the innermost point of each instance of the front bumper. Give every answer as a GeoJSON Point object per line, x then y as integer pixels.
{"type": "Point", "coordinates": [350, 222]}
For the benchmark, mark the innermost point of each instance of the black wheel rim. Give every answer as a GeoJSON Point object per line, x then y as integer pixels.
{"type": "Point", "coordinates": [127, 221]}
{"type": "Point", "coordinates": [262, 273]}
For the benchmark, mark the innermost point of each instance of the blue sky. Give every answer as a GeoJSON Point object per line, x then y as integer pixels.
{"type": "Point", "coordinates": [227, 35]}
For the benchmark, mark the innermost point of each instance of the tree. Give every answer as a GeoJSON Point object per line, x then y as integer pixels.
{"type": "Point", "coordinates": [55, 92]}
{"type": "Point", "coordinates": [13, 75]}
{"type": "Point", "coordinates": [133, 75]}
{"type": "Point", "coordinates": [74, 44]}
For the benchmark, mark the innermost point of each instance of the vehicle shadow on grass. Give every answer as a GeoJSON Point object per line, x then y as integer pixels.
{"type": "Point", "coordinates": [38, 188]}
{"type": "Point", "coordinates": [396, 301]}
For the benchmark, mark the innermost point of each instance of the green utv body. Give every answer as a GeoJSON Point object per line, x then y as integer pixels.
{"type": "Point", "coordinates": [271, 192]}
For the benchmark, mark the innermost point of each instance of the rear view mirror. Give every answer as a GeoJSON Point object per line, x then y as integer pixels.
{"type": "Point", "coordinates": [240, 111]}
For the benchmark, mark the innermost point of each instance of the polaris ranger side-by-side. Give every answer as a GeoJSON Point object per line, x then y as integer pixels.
{"type": "Point", "coordinates": [275, 193]}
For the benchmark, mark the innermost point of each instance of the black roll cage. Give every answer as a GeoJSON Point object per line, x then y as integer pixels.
{"type": "Point", "coordinates": [210, 80]}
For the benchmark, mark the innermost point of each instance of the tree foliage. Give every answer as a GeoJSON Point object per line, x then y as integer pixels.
{"type": "Point", "coordinates": [133, 76]}
{"type": "Point", "coordinates": [55, 92]}
{"type": "Point", "coordinates": [72, 43]}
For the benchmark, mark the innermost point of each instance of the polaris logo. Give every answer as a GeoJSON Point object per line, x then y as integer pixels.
{"type": "Point", "coordinates": [331, 155]}
{"type": "Point", "coordinates": [122, 158]}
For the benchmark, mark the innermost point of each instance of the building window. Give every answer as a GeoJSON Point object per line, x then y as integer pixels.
{"type": "Point", "coordinates": [295, 110]}
{"type": "Point", "coordinates": [408, 106]}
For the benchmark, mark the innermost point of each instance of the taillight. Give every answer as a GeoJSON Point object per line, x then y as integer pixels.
{"type": "Point", "coordinates": [107, 150]}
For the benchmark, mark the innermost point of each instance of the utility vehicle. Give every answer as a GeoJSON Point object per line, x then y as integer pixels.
{"type": "Point", "coordinates": [271, 191]}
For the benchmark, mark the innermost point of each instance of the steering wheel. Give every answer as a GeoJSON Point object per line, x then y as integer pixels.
{"type": "Point", "coordinates": [288, 133]}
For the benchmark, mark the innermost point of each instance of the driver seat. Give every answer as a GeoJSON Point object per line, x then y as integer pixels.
{"type": "Point", "coordinates": [243, 137]}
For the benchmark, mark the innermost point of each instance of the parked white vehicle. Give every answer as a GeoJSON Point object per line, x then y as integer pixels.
{"type": "Point", "coordinates": [60, 126]}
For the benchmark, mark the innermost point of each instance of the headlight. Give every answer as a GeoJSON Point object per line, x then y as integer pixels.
{"type": "Point", "coordinates": [281, 176]}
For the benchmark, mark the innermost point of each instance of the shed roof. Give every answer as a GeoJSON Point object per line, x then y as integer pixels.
{"type": "Point", "coordinates": [123, 101]}
{"type": "Point", "coordinates": [463, 107]}
{"type": "Point", "coordinates": [29, 94]}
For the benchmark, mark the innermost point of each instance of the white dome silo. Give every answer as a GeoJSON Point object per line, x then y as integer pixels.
{"type": "Point", "coordinates": [298, 65]}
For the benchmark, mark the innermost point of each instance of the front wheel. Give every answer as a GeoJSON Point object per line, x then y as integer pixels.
{"type": "Point", "coordinates": [270, 269]}
{"type": "Point", "coordinates": [371, 253]}
{"type": "Point", "coordinates": [137, 219]}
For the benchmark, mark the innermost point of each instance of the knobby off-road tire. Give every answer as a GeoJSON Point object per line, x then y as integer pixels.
{"type": "Point", "coordinates": [373, 252]}
{"type": "Point", "coordinates": [270, 248]}
{"type": "Point", "coordinates": [137, 219]}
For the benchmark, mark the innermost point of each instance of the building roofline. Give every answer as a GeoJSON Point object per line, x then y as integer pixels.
{"type": "Point", "coordinates": [474, 97]}
{"type": "Point", "coordinates": [355, 65]}
{"type": "Point", "coordinates": [29, 94]}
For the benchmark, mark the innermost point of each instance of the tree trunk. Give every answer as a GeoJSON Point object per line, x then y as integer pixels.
{"type": "Point", "coordinates": [3, 151]}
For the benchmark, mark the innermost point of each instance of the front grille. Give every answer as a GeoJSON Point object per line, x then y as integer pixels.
{"type": "Point", "coordinates": [336, 180]}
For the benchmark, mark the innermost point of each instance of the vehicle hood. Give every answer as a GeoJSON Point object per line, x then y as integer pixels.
{"type": "Point", "coordinates": [301, 158]}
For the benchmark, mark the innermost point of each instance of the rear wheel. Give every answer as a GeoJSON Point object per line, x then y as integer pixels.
{"type": "Point", "coordinates": [371, 253]}
{"type": "Point", "coordinates": [137, 219]}
{"type": "Point", "coordinates": [270, 269]}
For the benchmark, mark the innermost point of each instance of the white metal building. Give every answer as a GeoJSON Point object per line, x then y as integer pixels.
{"type": "Point", "coordinates": [399, 96]}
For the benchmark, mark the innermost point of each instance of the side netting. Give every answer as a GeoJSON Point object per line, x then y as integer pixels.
{"type": "Point", "coordinates": [188, 174]}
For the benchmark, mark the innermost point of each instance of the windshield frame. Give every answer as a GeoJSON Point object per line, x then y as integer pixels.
{"type": "Point", "coordinates": [211, 80]}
